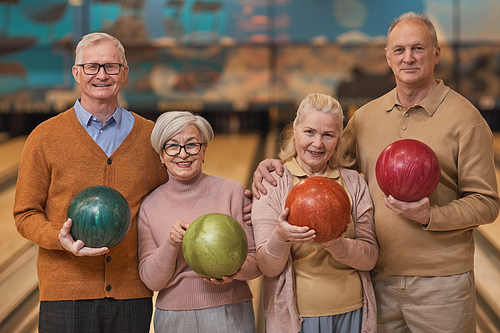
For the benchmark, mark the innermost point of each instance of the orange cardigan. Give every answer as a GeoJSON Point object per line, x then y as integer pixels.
{"type": "Point", "coordinates": [59, 160]}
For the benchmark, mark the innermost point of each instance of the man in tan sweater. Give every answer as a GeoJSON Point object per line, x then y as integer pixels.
{"type": "Point", "coordinates": [96, 142]}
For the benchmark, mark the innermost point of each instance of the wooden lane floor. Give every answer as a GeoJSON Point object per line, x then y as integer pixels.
{"type": "Point", "coordinates": [10, 240]}
{"type": "Point", "coordinates": [492, 231]}
{"type": "Point", "coordinates": [18, 280]}
{"type": "Point", "coordinates": [18, 277]}
{"type": "Point", "coordinates": [487, 265]}
{"type": "Point", "coordinates": [10, 156]}
{"type": "Point", "coordinates": [232, 156]}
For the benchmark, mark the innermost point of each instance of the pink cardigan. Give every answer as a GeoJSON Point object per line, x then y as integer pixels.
{"type": "Point", "coordinates": [161, 263]}
{"type": "Point", "coordinates": [275, 261]}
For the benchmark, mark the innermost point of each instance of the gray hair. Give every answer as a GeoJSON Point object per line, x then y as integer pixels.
{"type": "Point", "coordinates": [96, 38]}
{"type": "Point", "coordinates": [321, 103]}
{"type": "Point", "coordinates": [411, 16]}
{"type": "Point", "coordinates": [170, 123]}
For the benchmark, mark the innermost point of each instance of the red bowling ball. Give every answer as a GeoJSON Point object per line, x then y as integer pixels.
{"type": "Point", "coordinates": [408, 170]}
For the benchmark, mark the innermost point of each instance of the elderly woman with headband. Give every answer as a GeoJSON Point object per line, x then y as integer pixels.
{"type": "Point", "coordinates": [316, 287]}
{"type": "Point", "coordinates": [187, 302]}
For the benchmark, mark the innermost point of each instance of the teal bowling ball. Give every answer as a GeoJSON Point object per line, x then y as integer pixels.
{"type": "Point", "coordinates": [101, 216]}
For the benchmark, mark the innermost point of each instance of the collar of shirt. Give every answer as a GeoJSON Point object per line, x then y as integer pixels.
{"type": "Point", "coordinates": [86, 117]}
{"type": "Point", "coordinates": [429, 104]}
{"type": "Point", "coordinates": [110, 135]}
{"type": "Point", "coordinates": [297, 171]}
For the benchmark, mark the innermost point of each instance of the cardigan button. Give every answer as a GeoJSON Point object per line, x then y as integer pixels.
{"type": "Point", "coordinates": [108, 259]}
{"type": "Point", "coordinates": [109, 161]}
{"type": "Point", "coordinates": [108, 288]}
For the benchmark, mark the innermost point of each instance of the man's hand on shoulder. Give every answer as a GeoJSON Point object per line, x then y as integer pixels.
{"type": "Point", "coordinates": [247, 210]}
{"type": "Point", "coordinates": [263, 171]}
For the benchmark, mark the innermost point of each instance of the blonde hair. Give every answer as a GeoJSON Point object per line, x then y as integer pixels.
{"type": "Point", "coordinates": [170, 123]}
{"type": "Point", "coordinates": [321, 103]}
{"type": "Point", "coordinates": [96, 38]}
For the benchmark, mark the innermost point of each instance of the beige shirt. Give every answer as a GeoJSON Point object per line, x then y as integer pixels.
{"type": "Point", "coordinates": [324, 286]}
{"type": "Point", "coordinates": [466, 195]}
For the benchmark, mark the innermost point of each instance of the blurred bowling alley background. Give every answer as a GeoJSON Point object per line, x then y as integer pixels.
{"type": "Point", "coordinates": [242, 64]}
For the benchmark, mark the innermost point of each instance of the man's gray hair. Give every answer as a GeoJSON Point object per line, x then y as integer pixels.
{"type": "Point", "coordinates": [409, 16]}
{"type": "Point", "coordinates": [95, 38]}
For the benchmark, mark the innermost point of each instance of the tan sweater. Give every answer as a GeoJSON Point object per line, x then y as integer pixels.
{"type": "Point", "coordinates": [465, 198]}
{"type": "Point", "coordinates": [59, 160]}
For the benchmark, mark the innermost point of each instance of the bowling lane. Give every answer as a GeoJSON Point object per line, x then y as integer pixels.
{"type": "Point", "coordinates": [496, 143]}
{"type": "Point", "coordinates": [18, 280]}
{"type": "Point", "coordinates": [10, 151]}
{"type": "Point", "coordinates": [232, 156]}
{"type": "Point", "coordinates": [492, 231]}
{"type": "Point", "coordinates": [487, 265]}
{"type": "Point", "coordinates": [10, 240]}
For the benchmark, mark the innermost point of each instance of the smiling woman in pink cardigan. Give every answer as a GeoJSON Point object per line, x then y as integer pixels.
{"type": "Point", "coordinates": [312, 287]}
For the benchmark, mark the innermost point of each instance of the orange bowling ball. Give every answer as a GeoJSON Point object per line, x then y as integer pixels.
{"type": "Point", "coordinates": [321, 204]}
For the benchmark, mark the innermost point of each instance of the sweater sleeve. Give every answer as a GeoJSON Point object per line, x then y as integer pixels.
{"type": "Point", "coordinates": [478, 202]}
{"type": "Point", "coordinates": [360, 252]}
{"type": "Point", "coordinates": [157, 261]}
{"type": "Point", "coordinates": [272, 253]}
{"type": "Point", "coordinates": [31, 195]}
{"type": "Point", "coordinates": [249, 269]}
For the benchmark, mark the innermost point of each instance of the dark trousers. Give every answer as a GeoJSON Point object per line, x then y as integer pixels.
{"type": "Point", "coordinates": [96, 316]}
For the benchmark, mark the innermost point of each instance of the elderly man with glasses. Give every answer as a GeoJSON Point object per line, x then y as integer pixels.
{"type": "Point", "coordinates": [96, 142]}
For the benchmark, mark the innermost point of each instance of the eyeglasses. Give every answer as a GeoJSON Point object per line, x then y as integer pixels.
{"type": "Point", "coordinates": [91, 68]}
{"type": "Point", "coordinates": [190, 148]}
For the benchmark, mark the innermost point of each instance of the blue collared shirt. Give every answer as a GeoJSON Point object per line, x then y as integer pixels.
{"type": "Point", "coordinates": [110, 135]}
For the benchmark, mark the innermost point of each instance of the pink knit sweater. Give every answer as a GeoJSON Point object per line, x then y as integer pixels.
{"type": "Point", "coordinates": [161, 263]}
